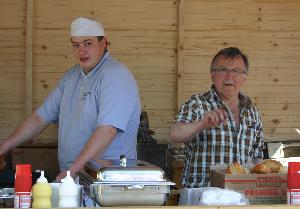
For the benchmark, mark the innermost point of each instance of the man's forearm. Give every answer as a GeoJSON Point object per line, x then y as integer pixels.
{"type": "Point", "coordinates": [183, 132]}
{"type": "Point", "coordinates": [29, 129]}
{"type": "Point", "coordinates": [96, 145]}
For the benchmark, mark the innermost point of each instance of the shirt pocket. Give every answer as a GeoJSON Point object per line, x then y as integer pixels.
{"type": "Point", "coordinates": [249, 136]}
{"type": "Point", "coordinates": [251, 127]}
{"type": "Point", "coordinates": [91, 105]}
{"type": "Point", "coordinates": [250, 122]}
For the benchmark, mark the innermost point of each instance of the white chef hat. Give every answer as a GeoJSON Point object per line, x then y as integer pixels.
{"type": "Point", "coordinates": [86, 27]}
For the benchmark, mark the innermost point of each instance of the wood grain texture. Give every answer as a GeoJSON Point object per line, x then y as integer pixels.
{"type": "Point", "coordinates": [169, 59]}
{"type": "Point", "coordinates": [28, 59]}
{"type": "Point", "coordinates": [266, 31]}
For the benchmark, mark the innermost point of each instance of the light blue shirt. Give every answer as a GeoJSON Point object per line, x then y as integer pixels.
{"type": "Point", "coordinates": [80, 103]}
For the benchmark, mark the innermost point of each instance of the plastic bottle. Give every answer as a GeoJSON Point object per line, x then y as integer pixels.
{"type": "Point", "coordinates": [23, 184]}
{"type": "Point", "coordinates": [41, 193]}
{"type": "Point", "coordinates": [68, 192]}
{"type": "Point", "coordinates": [123, 161]}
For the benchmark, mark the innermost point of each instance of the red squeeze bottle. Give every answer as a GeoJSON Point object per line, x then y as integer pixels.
{"type": "Point", "coordinates": [23, 185]}
{"type": "Point", "coordinates": [293, 191]}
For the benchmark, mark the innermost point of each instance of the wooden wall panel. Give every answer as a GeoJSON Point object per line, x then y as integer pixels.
{"type": "Point", "coordinates": [12, 64]}
{"type": "Point", "coordinates": [141, 34]}
{"type": "Point", "coordinates": [266, 31]}
{"type": "Point", "coordinates": [145, 35]}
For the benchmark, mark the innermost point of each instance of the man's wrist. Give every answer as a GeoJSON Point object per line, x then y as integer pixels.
{"type": "Point", "coordinates": [200, 126]}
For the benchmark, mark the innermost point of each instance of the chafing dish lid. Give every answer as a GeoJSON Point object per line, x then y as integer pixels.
{"type": "Point", "coordinates": [136, 171]}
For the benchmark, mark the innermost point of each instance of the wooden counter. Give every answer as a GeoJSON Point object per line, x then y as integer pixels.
{"type": "Point", "coordinates": [209, 207]}
{"type": "Point", "coordinates": [215, 207]}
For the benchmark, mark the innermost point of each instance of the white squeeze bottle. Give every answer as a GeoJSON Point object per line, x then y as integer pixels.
{"type": "Point", "coordinates": [41, 193]}
{"type": "Point", "coordinates": [67, 192]}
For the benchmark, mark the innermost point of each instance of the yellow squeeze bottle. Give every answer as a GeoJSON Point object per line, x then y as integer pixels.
{"type": "Point", "coordinates": [41, 193]}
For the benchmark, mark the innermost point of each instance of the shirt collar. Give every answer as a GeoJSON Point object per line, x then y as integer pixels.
{"type": "Point", "coordinates": [244, 100]}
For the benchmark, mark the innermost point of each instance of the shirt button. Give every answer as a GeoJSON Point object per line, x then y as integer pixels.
{"type": "Point", "coordinates": [82, 87]}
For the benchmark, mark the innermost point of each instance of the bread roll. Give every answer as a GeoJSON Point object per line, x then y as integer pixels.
{"type": "Point", "coordinates": [283, 169]}
{"type": "Point", "coordinates": [235, 169]}
{"type": "Point", "coordinates": [274, 165]}
{"type": "Point", "coordinates": [261, 169]}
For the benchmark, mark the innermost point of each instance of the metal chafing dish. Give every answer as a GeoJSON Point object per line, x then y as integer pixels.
{"type": "Point", "coordinates": [137, 184]}
{"type": "Point", "coordinates": [6, 197]}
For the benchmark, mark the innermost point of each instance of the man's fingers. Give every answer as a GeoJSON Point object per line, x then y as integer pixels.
{"type": "Point", "coordinates": [216, 117]}
{"type": "Point", "coordinates": [60, 176]}
{"type": "Point", "coordinates": [213, 117]}
{"type": "Point", "coordinates": [222, 115]}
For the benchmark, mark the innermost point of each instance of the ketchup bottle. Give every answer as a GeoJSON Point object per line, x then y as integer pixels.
{"type": "Point", "coordinates": [293, 191]}
{"type": "Point", "coordinates": [23, 184]}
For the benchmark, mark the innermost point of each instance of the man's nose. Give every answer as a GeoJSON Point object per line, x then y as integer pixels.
{"type": "Point", "coordinates": [81, 49]}
{"type": "Point", "coordinates": [229, 74]}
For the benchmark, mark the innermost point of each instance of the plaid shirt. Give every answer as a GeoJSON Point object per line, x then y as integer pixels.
{"type": "Point", "coordinates": [225, 143]}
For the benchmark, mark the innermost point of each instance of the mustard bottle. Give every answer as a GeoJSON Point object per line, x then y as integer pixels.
{"type": "Point", "coordinates": [41, 193]}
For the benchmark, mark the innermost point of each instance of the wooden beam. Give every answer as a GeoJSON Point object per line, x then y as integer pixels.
{"type": "Point", "coordinates": [28, 68]}
{"type": "Point", "coordinates": [180, 52]}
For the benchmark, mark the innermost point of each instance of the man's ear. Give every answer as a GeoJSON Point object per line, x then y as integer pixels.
{"type": "Point", "coordinates": [103, 42]}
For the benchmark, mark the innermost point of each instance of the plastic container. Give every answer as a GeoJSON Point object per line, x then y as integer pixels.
{"type": "Point", "coordinates": [41, 193]}
{"type": "Point", "coordinates": [68, 192]}
{"type": "Point", "coordinates": [55, 197]}
{"type": "Point", "coordinates": [293, 191]}
{"type": "Point", "coordinates": [23, 185]}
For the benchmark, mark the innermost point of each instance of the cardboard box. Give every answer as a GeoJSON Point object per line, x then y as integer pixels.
{"type": "Point", "coordinates": [258, 188]}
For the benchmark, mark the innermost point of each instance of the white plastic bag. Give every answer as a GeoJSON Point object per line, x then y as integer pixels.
{"type": "Point", "coordinates": [211, 196]}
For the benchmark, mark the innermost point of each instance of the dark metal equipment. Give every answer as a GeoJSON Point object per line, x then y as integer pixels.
{"type": "Point", "coordinates": [144, 132]}
{"type": "Point", "coordinates": [147, 147]}
{"type": "Point", "coordinates": [7, 176]}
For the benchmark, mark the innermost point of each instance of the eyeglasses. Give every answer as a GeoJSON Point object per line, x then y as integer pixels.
{"type": "Point", "coordinates": [225, 70]}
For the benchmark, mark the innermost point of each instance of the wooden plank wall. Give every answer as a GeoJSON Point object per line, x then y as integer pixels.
{"type": "Point", "coordinates": [167, 44]}
{"type": "Point", "coordinates": [268, 31]}
{"type": "Point", "coordinates": [12, 67]}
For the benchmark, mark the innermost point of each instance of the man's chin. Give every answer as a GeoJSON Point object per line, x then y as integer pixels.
{"type": "Point", "coordinates": [85, 67]}
{"type": "Point", "coordinates": [232, 90]}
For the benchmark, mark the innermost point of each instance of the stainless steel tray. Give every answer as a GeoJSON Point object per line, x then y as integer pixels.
{"type": "Point", "coordinates": [129, 195]}
{"type": "Point", "coordinates": [6, 197]}
{"type": "Point", "coordinates": [138, 184]}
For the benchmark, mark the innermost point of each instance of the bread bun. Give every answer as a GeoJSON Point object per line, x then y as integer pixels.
{"type": "Point", "coordinates": [274, 165]}
{"type": "Point", "coordinates": [261, 169]}
{"type": "Point", "coordinates": [283, 169]}
{"type": "Point", "coordinates": [235, 169]}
